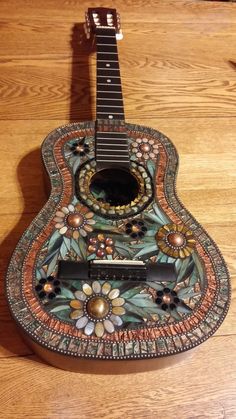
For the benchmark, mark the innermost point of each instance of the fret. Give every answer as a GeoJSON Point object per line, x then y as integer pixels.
{"type": "Point", "coordinates": [100, 32]}
{"type": "Point", "coordinates": [117, 146]}
{"type": "Point", "coordinates": [113, 113]}
{"type": "Point", "coordinates": [106, 45]}
{"type": "Point", "coordinates": [112, 49]}
{"type": "Point", "coordinates": [109, 91]}
{"type": "Point", "coordinates": [114, 77]}
{"type": "Point", "coordinates": [107, 142]}
{"type": "Point", "coordinates": [113, 134]}
{"type": "Point", "coordinates": [109, 84]}
{"type": "Point", "coordinates": [107, 52]}
{"type": "Point", "coordinates": [105, 61]}
{"type": "Point", "coordinates": [107, 56]}
{"type": "Point", "coordinates": [113, 110]}
{"type": "Point", "coordinates": [109, 95]}
{"type": "Point", "coordinates": [111, 151]}
{"type": "Point", "coordinates": [105, 36]}
{"type": "Point", "coordinates": [108, 155]}
{"type": "Point", "coordinates": [113, 62]}
{"type": "Point", "coordinates": [113, 161]}
{"type": "Point", "coordinates": [112, 147]}
{"type": "Point", "coordinates": [108, 73]}
{"type": "Point", "coordinates": [111, 143]}
{"type": "Point", "coordinates": [109, 106]}
{"type": "Point", "coordinates": [107, 88]}
{"type": "Point", "coordinates": [107, 101]}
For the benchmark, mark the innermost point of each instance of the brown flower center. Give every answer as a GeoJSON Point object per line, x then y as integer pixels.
{"type": "Point", "coordinates": [79, 148]}
{"type": "Point", "coordinates": [145, 148]}
{"type": "Point", "coordinates": [48, 287]}
{"type": "Point", "coordinates": [135, 228]}
{"type": "Point", "coordinates": [98, 307]}
{"type": "Point", "coordinates": [167, 299]}
{"type": "Point", "coordinates": [75, 220]}
{"type": "Point", "coordinates": [176, 239]}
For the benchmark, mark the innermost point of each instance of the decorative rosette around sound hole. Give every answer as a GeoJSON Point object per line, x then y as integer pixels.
{"type": "Point", "coordinates": [100, 206]}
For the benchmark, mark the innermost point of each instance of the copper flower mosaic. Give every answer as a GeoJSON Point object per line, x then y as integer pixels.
{"type": "Point", "coordinates": [175, 240]}
{"type": "Point", "coordinates": [136, 229]}
{"type": "Point", "coordinates": [74, 221]}
{"type": "Point", "coordinates": [145, 149]}
{"type": "Point", "coordinates": [48, 287]}
{"type": "Point", "coordinates": [97, 308]}
{"type": "Point", "coordinates": [167, 299]}
{"type": "Point", "coordinates": [80, 148]}
{"type": "Point", "coordinates": [101, 246]}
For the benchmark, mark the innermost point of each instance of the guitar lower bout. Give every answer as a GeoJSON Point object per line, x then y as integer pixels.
{"type": "Point", "coordinates": [85, 221]}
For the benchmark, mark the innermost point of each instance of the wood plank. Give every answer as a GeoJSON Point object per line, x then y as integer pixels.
{"type": "Point", "coordinates": [35, 90]}
{"type": "Point", "coordinates": [175, 63]}
{"type": "Point", "coordinates": [167, 40]}
{"type": "Point", "coordinates": [177, 391]}
{"type": "Point", "coordinates": [42, 88]}
{"type": "Point", "coordinates": [144, 11]}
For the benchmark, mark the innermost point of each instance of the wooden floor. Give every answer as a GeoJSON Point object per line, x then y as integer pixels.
{"type": "Point", "coordinates": [178, 62]}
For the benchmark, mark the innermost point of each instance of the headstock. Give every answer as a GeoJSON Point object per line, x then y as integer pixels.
{"type": "Point", "coordinates": [102, 17]}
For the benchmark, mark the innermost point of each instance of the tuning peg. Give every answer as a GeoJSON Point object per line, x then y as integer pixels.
{"type": "Point", "coordinates": [118, 22]}
{"type": "Point", "coordinates": [119, 35]}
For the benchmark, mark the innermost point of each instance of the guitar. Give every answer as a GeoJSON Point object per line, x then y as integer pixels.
{"type": "Point", "coordinates": [114, 267]}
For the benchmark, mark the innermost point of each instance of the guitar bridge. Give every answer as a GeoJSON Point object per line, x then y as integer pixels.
{"type": "Point", "coordinates": [127, 270]}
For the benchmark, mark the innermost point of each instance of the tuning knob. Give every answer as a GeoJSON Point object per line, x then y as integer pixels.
{"type": "Point", "coordinates": [119, 35]}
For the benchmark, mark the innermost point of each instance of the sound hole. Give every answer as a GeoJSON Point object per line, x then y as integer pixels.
{"type": "Point", "coordinates": [114, 186]}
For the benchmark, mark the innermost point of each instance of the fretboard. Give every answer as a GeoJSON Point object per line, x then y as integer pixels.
{"type": "Point", "coordinates": [111, 146]}
{"type": "Point", "coordinates": [109, 91]}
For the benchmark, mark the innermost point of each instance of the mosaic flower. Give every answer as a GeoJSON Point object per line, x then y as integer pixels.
{"type": "Point", "coordinates": [80, 148]}
{"type": "Point", "coordinates": [144, 148]}
{"type": "Point", "coordinates": [97, 308]}
{"type": "Point", "coordinates": [100, 245]}
{"type": "Point", "coordinates": [74, 221]}
{"type": "Point", "coordinates": [48, 287]}
{"type": "Point", "coordinates": [135, 229]}
{"type": "Point", "coordinates": [175, 240]}
{"type": "Point", "coordinates": [167, 299]}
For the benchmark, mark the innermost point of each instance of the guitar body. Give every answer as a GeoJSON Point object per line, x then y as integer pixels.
{"type": "Point", "coordinates": [107, 318]}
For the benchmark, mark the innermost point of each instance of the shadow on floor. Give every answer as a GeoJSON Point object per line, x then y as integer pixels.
{"type": "Point", "coordinates": [31, 178]}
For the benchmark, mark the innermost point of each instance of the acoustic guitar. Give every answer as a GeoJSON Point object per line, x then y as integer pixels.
{"type": "Point", "coordinates": [114, 267]}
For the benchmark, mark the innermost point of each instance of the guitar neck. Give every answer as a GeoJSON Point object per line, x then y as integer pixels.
{"type": "Point", "coordinates": [109, 103]}
{"type": "Point", "coordinates": [111, 146]}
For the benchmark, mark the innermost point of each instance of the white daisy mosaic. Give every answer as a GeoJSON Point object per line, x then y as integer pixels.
{"type": "Point", "coordinates": [98, 308]}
